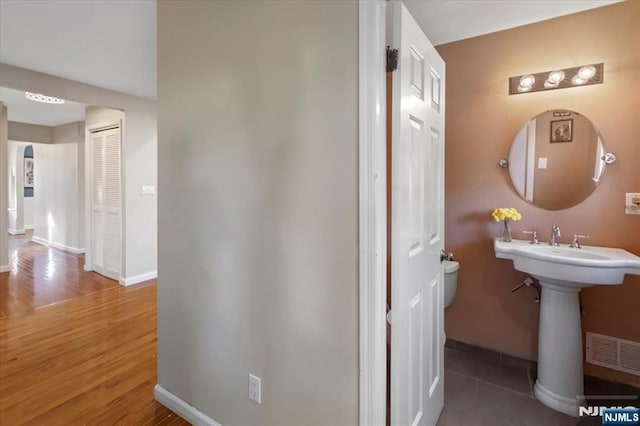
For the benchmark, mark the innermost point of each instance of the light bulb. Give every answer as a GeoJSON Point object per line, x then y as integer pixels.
{"type": "Point", "coordinates": [527, 81]}
{"type": "Point", "coordinates": [587, 72]}
{"type": "Point", "coordinates": [522, 88]}
{"type": "Point", "coordinates": [577, 80]}
{"type": "Point", "coordinates": [555, 77]}
{"type": "Point", "coordinates": [550, 85]}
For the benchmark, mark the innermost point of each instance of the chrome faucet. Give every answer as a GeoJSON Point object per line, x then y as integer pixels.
{"type": "Point", "coordinates": [555, 233]}
{"type": "Point", "coordinates": [575, 243]}
{"type": "Point", "coordinates": [534, 237]}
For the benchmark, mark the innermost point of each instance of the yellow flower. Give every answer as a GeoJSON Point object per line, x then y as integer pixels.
{"type": "Point", "coordinates": [505, 213]}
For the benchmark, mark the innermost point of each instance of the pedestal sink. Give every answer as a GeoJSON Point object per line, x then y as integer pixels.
{"type": "Point", "coordinates": [562, 272]}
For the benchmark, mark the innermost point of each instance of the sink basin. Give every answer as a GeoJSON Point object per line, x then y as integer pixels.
{"type": "Point", "coordinates": [563, 265]}
{"type": "Point", "coordinates": [562, 272]}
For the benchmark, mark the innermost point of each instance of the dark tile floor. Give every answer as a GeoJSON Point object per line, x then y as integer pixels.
{"type": "Point", "coordinates": [484, 388]}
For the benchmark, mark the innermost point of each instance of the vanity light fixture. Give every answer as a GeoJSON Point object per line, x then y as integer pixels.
{"type": "Point", "coordinates": [557, 79]}
{"type": "Point", "coordinates": [39, 97]}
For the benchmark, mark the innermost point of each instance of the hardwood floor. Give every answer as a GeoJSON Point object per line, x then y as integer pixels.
{"type": "Point", "coordinates": [75, 348]}
{"type": "Point", "coordinates": [41, 276]}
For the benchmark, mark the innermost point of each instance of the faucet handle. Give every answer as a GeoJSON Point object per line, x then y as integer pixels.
{"type": "Point", "coordinates": [555, 233]}
{"type": "Point", "coordinates": [575, 243]}
{"type": "Point", "coordinates": [534, 237]}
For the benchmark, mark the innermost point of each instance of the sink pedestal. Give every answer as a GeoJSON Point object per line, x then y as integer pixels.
{"type": "Point", "coordinates": [560, 377]}
{"type": "Point", "coordinates": [563, 272]}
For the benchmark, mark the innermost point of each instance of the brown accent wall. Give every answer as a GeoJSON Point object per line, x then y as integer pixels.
{"type": "Point", "coordinates": [482, 119]}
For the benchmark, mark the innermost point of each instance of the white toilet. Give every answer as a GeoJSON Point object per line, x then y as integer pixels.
{"type": "Point", "coordinates": [450, 281]}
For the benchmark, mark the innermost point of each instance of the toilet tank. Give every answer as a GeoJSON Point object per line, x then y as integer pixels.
{"type": "Point", "coordinates": [450, 281]}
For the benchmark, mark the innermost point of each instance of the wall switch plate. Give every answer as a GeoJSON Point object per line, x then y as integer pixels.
{"type": "Point", "coordinates": [148, 189]}
{"type": "Point", "coordinates": [542, 162]}
{"type": "Point", "coordinates": [255, 388]}
{"type": "Point", "coordinates": [632, 203]}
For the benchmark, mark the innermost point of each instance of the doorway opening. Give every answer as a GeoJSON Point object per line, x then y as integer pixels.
{"type": "Point", "coordinates": [402, 276]}
{"type": "Point", "coordinates": [51, 186]}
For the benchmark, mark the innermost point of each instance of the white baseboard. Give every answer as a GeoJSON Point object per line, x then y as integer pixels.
{"type": "Point", "coordinates": [70, 249]}
{"type": "Point", "coordinates": [16, 231]}
{"type": "Point", "coordinates": [28, 227]}
{"type": "Point", "coordinates": [4, 268]}
{"type": "Point", "coordinates": [184, 410]}
{"type": "Point", "coordinates": [139, 278]}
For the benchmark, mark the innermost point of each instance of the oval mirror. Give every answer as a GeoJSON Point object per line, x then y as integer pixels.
{"type": "Point", "coordinates": [555, 160]}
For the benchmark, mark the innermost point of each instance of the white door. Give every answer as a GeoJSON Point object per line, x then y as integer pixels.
{"type": "Point", "coordinates": [417, 200]}
{"type": "Point", "coordinates": [106, 202]}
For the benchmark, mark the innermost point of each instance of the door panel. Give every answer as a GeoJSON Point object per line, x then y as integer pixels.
{"type": "Point", "coordinates": [416, 362]}
{"type": "Point", "coordinates": [417, 203]}
{"type": "Point", "coordinates": [106, 202]}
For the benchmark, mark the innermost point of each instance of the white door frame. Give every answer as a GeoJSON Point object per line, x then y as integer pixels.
{"type": "Point", "coordinates": [372, 213]}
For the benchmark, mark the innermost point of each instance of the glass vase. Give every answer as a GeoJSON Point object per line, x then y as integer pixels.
{"type": "Point", "coordinates": [506, 232]}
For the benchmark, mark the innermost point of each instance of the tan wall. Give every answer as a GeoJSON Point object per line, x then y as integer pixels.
{"type": "Point", "coordinates": [258, 213]}
{"type": "Point", "coordinates": [25, 132]}
{"type": "Point", "coordinates": [482, 119]}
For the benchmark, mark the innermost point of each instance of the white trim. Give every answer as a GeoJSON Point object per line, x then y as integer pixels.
{"type": "Point", "coordinates": [4, 268]}
{"type": "Point", "coordinates": [16, 231]}
{"type": "Point", "coordinates": [53, 244]}
{"type": "Point", "coordinates": [139, 278]}
{"type": "Point", "coordinates": [182, 408]}
{"type": "Point", "coordinates": [28, 227]}
{"type": "Point", "coordinates": [372, 216]}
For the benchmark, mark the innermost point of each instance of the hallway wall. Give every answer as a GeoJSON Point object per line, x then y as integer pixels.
{"type": "Point", "coordinates": [17, 202]}
{"type": "Point", "coordinates": [29, 212]}
{"type": "Point", "coordinates": [4, 214]}
{"type": "Point", "coordinates": [258, 214]}
{"type": "Point", "coordinates": [58, 214]}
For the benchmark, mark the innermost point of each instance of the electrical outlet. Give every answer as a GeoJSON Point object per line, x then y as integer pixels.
{"type": "Point", "coordinates": [255, 388]}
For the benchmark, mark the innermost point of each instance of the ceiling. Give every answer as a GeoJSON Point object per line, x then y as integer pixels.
{"type": "Point", "coordinates": [444, 21]}
{"type": "Point", "coordinates": [21, 109]}
{"type": "Point", "coordinates": [112, 43]}
{"type": "Point", "coordinates": [105, 43]}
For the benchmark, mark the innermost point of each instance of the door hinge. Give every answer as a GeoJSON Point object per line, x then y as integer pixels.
{"type": "Point", "coordinates": [392, 59]}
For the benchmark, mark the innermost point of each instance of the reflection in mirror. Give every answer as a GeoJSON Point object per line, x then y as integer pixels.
{"type": "Point", "coordinates": [555, 161]}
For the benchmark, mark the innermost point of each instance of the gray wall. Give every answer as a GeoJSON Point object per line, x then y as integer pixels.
{"type": "Point", "coordinates": [258, 253]}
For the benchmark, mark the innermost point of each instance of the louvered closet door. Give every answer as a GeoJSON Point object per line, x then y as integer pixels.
{"type": "Point", "coordinates": [106, 220]}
